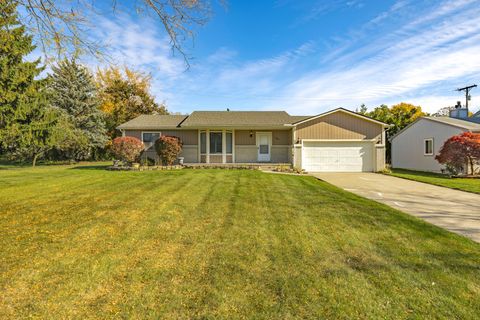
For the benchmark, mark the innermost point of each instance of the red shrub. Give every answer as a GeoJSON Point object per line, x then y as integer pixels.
{"type": "Point", "coordinates": [168, 149]}
{"type": "Point", "coordinates": [127, 149]}
{"type": "Point", "coordinates": [461, 150]}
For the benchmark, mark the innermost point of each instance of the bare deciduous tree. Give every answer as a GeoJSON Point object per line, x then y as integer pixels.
{"type": "Point", "coordinates": [61, 26]}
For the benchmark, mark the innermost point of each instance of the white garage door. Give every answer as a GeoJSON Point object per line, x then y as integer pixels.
{"type": "Point", "coordinates": [337, 156]}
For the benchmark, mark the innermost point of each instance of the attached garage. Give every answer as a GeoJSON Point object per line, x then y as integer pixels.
{"type": "Point", "coordinates": [339, 141]}
{"type": "Point", "coordinates": [338, 156]}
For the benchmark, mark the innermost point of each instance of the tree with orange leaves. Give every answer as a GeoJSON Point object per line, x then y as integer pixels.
{"type": "Point", "coordinates": [125, 94]}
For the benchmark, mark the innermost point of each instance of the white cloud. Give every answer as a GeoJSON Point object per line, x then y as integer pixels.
{"type": "Point", "coordinates": [142, 46]}
{"type": "Point", "coordinates": [419, 62]}
{"type": "Point", "coordinates": [139, 44]}
{"type": "Point", "coordinates": [410, 59]}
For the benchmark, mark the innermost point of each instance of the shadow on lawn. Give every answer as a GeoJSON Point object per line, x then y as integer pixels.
{"type": "Point", "coordinates": [92, 167]}
{"type": "Point", "coordinates": [422, 173]}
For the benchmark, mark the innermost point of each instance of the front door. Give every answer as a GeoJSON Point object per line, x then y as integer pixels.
{"type": "Point", "coordinates": [264, 145]}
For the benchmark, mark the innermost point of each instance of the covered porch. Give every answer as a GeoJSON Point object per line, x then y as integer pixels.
{"type": "Point", "coordinates": [243, 146]}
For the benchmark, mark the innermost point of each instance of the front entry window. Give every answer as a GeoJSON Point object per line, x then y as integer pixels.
{"type": "Point", "coordinates": [215, 142]}
{"type": "Point", "coordinates": [263, 149]}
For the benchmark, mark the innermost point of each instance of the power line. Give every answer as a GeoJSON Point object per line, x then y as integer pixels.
{"type": "Point", "coordinates": [467, 95]}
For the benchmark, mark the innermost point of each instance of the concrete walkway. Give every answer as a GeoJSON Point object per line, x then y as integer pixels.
{"type": "Point", "coordinates": [453, 210]}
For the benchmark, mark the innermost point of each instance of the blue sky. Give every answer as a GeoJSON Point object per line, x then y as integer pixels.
{"type": "Point", "coordinates": [307, 57]}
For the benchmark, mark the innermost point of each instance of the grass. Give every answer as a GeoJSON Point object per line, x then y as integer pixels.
{"type": "Point", "coordinates": [464, 184]}
{"type": "Point", "coordinates": [82, 242]}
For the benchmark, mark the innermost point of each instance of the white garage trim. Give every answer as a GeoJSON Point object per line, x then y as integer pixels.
{"type": "Point", "coordinates": [367, 161]}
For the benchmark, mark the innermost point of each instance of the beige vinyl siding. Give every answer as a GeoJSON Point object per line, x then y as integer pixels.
{"type": "Point", "coordinates": [339, 125]}
{"type": "Point", "coordinates": [134, 133]}
{"type": "Point", "coordinates": [280, 154]}
{"type": "Point", "coordinates": [282, 137]}
{"type": "Point", "coordinates": [279, 137]}
{"type": "Point", "coordinates": [246, 154]}
{"type": "Point", "coordinates": [189, 153]}
{"type": "Point", "coordinates": [380, 158]}
{"type": "Point", "coordinates": [188, 137]}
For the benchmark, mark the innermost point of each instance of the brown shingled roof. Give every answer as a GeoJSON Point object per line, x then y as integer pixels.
{"type": "Point", "coordinates": [237, 118]}
{"type": "Point", "coordinates": [153, 122]}
{"type": "Point", "coordinates": [299, 118]}
{"type": "Point", "coordinates": [212, 119]}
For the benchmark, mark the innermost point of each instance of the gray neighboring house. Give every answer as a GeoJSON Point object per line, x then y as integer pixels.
{"type": "Point", "coordinates": [338, 140]}
{"type": "Point", "coordinates": [416, 146]}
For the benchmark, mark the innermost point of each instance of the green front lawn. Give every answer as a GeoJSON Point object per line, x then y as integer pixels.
{"type": "Point", "coordinates": [470, 185]}
{"type": "Point", "coordinates": [82, 242]}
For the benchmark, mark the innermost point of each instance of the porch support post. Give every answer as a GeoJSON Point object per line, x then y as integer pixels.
{"type": "Point", "coordinates": [224, 146]}
{"type": "Point", "coordinates": [207, 136]}
{"type": "Point", "coordinates": [199, 147]}
{"type": "Point", "coordinates": [233, 146]}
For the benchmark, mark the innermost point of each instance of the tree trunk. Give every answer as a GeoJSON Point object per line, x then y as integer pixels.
{"type": "Point", "coordinates": [470, 159]}
{"type": "Point", "coordinates": [34, 162]}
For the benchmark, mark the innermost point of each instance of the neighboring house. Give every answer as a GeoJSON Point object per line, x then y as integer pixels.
{"type": "Point", "coordinates": [416, 146]}
{"type": "Point", "coordinates": [338, 140]}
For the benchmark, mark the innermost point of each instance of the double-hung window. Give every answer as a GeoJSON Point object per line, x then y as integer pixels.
{"type": "Point", "coordinates": [149, 138]}
{"type": "Point", "coordinates": [229, 142]}
{"type": "Point", "coordinates": [215, 142]}
{"type": "Point", "coordinates": [203, 142]}
{"type": "Point", "coordinates": [428, 147]}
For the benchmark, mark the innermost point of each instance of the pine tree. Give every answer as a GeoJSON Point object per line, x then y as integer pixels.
{"type": "Point", "coordinates": [29, 126]}
{"type": "Point", "coordinates": [44, 129]}
{"type": "Point", "coordinates": [74, 91]}
{"type": "Point", "coordinates": [18, 87]}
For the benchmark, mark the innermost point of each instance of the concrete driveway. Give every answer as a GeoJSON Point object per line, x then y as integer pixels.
{"type": "Point", "coordinates": [453, 210]}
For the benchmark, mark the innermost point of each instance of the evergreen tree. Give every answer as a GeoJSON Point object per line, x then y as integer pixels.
{"type": "Point", "coordinates": [29, 126]}
{"type": "Point", "coordinates": [74, 91]}
{"type": "Point", "coordinates": [18, 87]}
{"type": "Point", "coordinates": [44, 129]}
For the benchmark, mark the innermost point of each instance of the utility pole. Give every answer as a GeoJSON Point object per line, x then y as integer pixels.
{"type": "Point", "coordinates": [467, 95]}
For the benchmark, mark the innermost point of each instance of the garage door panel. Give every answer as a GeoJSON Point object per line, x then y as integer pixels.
{"type": "Point", "coordinates": [337, 156]}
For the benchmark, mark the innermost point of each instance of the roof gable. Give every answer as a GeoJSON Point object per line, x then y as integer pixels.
{"type": "Point", "coordinates": [361, 116]}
